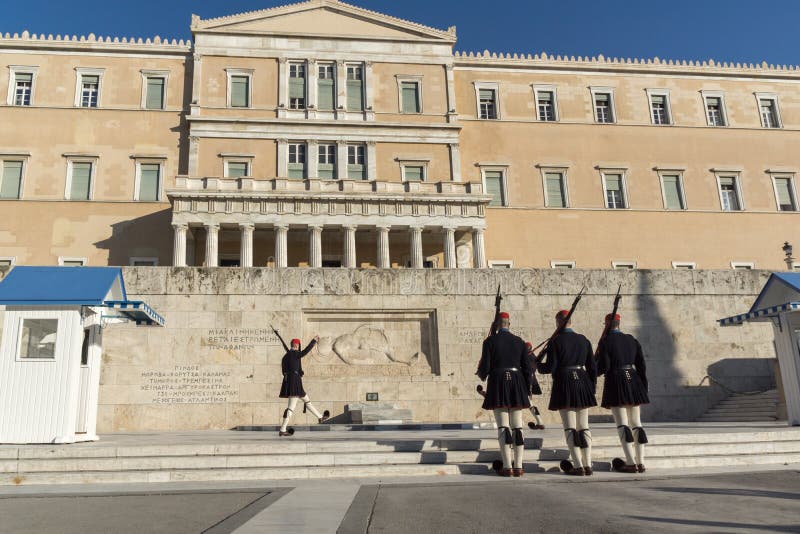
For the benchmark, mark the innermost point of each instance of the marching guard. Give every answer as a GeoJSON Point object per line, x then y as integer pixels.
{"type": "Point", "coordinates": [506, 367]}
{"type": "Point", "coordinates": [620, 359]}
{"type": "Point", "coordinates": [536, 389]}
{"type": "Point", "coordinates": [292, 385]}
{"type": "Point", "coordinates": [570, 360]}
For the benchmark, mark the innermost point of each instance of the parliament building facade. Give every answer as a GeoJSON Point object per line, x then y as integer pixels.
{"type": "Point", "coordinates": [322, 134]}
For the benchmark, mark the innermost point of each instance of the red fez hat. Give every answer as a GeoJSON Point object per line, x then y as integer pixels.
{"type": "Point", "coordinates": [562, 314]}
{"type": "Point", "coordinates": [528, 345]}
{"type": "Point", "coordinates": [615, 318]}
{"type": "Point", "coordinates": [504, 315]}
{"type": "Point", "coordinates": [295, 341]}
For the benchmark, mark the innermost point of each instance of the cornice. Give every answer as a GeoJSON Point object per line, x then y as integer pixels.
{"type": "Point", "coordinates": [92, 42]}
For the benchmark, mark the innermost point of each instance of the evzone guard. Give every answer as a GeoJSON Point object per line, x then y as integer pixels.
{"type": "Point", "coordinates": [292, 385]}
{"type": "Point", "coordinates": [620, 359]}
{"type": "Point", "coordinates": [536, 389]}
{"type": "Point", "coordinates": [506, 367]}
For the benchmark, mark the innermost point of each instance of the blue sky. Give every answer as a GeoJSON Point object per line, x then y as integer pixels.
{"type": "Point", "coordinates": [725, 30]}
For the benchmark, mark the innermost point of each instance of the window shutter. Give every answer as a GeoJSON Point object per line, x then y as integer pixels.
{"type": "Point", "coordinates": [413, 173]}
{"type": "Point", "coordinates": [545, 96]}
{"type": "Point", "coordinates": [240, 91]}
{"type": "Point", "coordinates": [672, 192]}
{"type": "Point", "coordinates": [355, 100]}
{"type": "Point", "coordinates": [727, 181]}
{"type": "Point", "coordinates": [657, 99]}
{"type": "Point", "coordinates": [494, 187]}
{"type": "Point", "coordinates": [601, 97]}
{"type": "Point", "coordinates": [555, 190]}
{"type": "Point", "coordinates": [713, 101]}
{"type": "Point", "coordinates": [237, 169]}
{"type": "Point", "coordinates": [11, 179]}
{"type": "Point", "coordinates": [297, 87]}
{"type": "Point", "coordinates": [155, 93]}
{"type": "Point", "coordinates": [81, 178]}
{"type": "Point", "coordinates": [410, 97]}
{"type": "Point", "coordinates": [90, 79]}
{"type": "Point", "coordinates": [325, 94]}
{"type": "Point", "coordinates": [785, 200]}
{"type": "Point", "coordinates": [148, 181]}
{"type": "Point", "coordinates": [613, 182]}
{"type": "Point", "coordinates": [23, 76]}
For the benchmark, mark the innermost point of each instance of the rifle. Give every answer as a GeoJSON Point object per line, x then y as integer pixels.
{"type": "Point", "coordinates": [280, 338]}
{"type": "Point", "coordinates": [496, 321]}
{"type": "Point", "coordinates": [607, 328]}
{"type": "Point", "coordinates": [560, 328]}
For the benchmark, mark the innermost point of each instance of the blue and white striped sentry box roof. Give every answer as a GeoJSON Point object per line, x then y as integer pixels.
{"type": "Point", "coordinates": [759, 315]}
{"type": "Point", "coordinates": [780, 294]}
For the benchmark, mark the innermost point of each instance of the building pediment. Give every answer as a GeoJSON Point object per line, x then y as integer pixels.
{"type": "Point", "coordinates": [323, 18]}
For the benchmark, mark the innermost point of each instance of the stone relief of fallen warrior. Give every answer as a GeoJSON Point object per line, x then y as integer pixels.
{"type": "Point", "coordinates": [365, 345]}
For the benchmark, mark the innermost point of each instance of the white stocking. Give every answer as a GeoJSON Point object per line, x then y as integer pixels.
{"type": "Point", "coordinates": [503, 431]}
{"type": "Point", "coordinates": [583, 428]}
{"type": "Point", "coordinates": [288, 413]}
{"type": "Point", "coordinates": [569, 420]}
{"type": "Point", "coordinates": [310, 407]}
{"type": "Point", "coordinates": [636, 423]}
{"type": "Point", "coordinates": [519, 448]}
{"type": "Point", "coordinates": [621, 420]}
{"type": "Point", "coordinates": [535, 414]}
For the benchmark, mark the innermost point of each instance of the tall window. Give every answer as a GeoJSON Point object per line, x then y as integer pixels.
{"type": "Point", "coordinates": [715, 111]}
{"type": "Point", "coordinates": [11, 179]}
{"type": "Point", "coordinates": [409, 92]}
{"type": "Point", "coordinates": [769, 112]}
{"type": "Point", "coordinates": [555, 191]}
{"type": "Point", "coordinates": [326, 161]}
{"type": "Point", "coordinates": [237, 169]}
{"type": "Point", "coordinates": [784, 192]}
{"type": "Point", "coordinates": [90, 90]}
{"type": "Point", "coordinates": [356, 169]}
{"type": "Point", "coordinates": [673, 191]}
{"type": "Point", "coordinates": [326, 86]}
{"type": "Point", "coordinates": [297, 86]}
{"type": "Point", "coordinates": [23, 88]}
{"type": "Point", "coordinates": [545, 105]}
{"type": "Point", "coordinates": [149, 182]}
{"type": "Point", "coordinates": [603, 107]}
{"type": "Point", "coordinates": [355, 88]}
{"type": "Point", "coordinates": [615, 190]}
{"type": "Point", "coordinates": [155, 92]}
{"type": "Point", "coordinates": [487, 102]}
{"type": "Point", "coordinates": [80, 180]}
{"type": "Point", "coordinates": [659, 109]}
{"type": "Point", "coordinates": [297, 160]}
{"type": "Point", "coordinates": [240, 91]}
{"type": "Point", "coordinates": [495, 187]}
{"type": "Point", "coordinates": [729, 194]}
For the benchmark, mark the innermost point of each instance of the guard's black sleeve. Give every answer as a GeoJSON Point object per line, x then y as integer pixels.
{"type": "Point", "coordinates": [641, 367]}
{"type": "Point", "coordinates": [550, 361]}
{"type": "Point", "coordinates": [308, 348]}
{"type": "Point", "coordinates": [603, 359]}
{"type": "Point", "coordinates": [591, 365]}
{"type": "Point", "coordinates": [525, 367]}
{"type": "Point", "coordinates": [485, 364]}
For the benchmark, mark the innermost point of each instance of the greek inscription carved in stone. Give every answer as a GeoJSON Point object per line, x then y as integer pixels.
{"type": "Point", "coordinates": [187, 384]}
{"type": "Point", "coordinates": [240, 339]}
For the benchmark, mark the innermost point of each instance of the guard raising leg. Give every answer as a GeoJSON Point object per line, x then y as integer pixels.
{"type": "Point", "coordinates": [292, 385]}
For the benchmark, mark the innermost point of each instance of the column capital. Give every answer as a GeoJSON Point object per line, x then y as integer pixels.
{"type": "Point", "coordinates": [383, 227]}
{"type": "Point", "coordinates": [197, 57]}
{"type": "Point", "coordinates": [212, 226]}
{"type": "Point", "coordinates": [180, 226]}
{"type": "Point", "coordinates": [282, 60]}
{"type": "Point", "coordinates": [416, 228]}
{"type": "Point", "coordinates": [247, 226]}
{"type": "Point", "coordinates": [316, 227]}
{"type": "Point", "coordinates": [350, 227]}
{"type": "Point", "coordinates": [312, 61]}
{"type": "Point", "coordinates": [312, 142]}
{"type": "Point", "coordinates": [478, 230]}
{"type": "Point", "coordinates": [280, 226]}
{"type": "Point", "coordinates": [372, 143]}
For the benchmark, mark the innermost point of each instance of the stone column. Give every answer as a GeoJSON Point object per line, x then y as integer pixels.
{"type": "Point", "coordinates": [478, 250]}
{"type": "Point", "coordinates": [196, 85]}
{"type": "Point", "coordinates": [179, 245]}
{"type": "Point", "coordinates": [452, 116]}
{"type": "Point", "coordinates": [315, 250]}
{"type": "Point", "coordinates": [449, 247]}
{"type": "Point", "coordinates": [349, 247]}
{"type": "Point", "coordinates": [384, 262]}
{"type": "Point", "coordinates": [281, 253]}
{"type": "Point", "coordinates": [212, 245]}
{"type": "Point", "coordinates": [416, 247]}
{"type": "Point", "coordinates": [246, 252]}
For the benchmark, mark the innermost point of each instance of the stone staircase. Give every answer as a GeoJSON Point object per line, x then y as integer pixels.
{"type": "Point", "coordinates": [744, 408]}
{"type": "Point", "coordinates": [369, 454]}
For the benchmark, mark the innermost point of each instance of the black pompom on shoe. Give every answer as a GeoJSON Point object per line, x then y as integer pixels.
{"type": "Point", "coordinates": [325, 416]}
{"type": "Point", "coordinates": [289, 432]}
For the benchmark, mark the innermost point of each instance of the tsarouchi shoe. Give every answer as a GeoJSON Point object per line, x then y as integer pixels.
{"type": "Point", "coordinates": [576, 472]}
{"type": "Point", "coordinates": [289, 432]}
{"type": "Point", "coordinates": [588, 471]}
{"type": "Point", "coordinates": [517, 472]}
{"type": "Point", "coordinates": [640, 468]}
{"type": "Point", "coordinates": [505, 472]}
{"type": "Point", "coordinates": [325, 416]}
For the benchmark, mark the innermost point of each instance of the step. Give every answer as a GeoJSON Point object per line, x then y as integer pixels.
{"type": "Point", "coordinates": [743, 404]}
{"type": "Point", "coordinates": [726, 411]}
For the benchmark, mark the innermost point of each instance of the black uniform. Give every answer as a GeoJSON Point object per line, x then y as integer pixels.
{"type": "Point", "coordinates": [505, 362]}
{"type": "Point", "coordinates": [535, 389]}
{"type": "Point", "coordinates": [292, 368]}
{"type": "Point", "coordinates": [620, 358]}
{"type": "Point", "coordinates": [570, 360]}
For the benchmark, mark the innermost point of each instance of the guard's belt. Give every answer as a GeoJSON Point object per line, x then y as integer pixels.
{"type": "Point", "coordinates": [293, 372]}
{"type": "Point", "coordinates": [572, 368]}
{"type": "Point", "coordinates": [626, 367]}
{"type": "Point", "coordinates": [506, 369]}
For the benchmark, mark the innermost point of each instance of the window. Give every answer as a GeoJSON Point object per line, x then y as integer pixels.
{"type": "Point", "coordinates": [297, 86]}
{"type": "Point", "coordinates": [148, 182]}
{"type": "Point", "coordinates": [11, 179]}
{"type": "Point", "coordinates": [623, 264]}
{"type": "Point", "coordinates": [672, 191]}
{"type": "Point", "coordinates": [743, 265]}
{"type": "Point", "coordinates": [414, 173]}
{"type": "Point", "coordinates": [79, 180]}
{"type": "Point", "coordinates": [715, 109]}
{"type": "Point", "coordinates": [326, 86]}
{"type": "Point", "coordinates": [603, 105]}
{"type": "Point", "coordinates": [562, 264]}
{"type": "Point", "coordinates": [71, 262]}
{"type": "Point", "coordinates": [7, 261]}
{"type": "Point", "coordinates": [37, 339]}
{"type": "Point", "coordinates": [555, 191]}
{"type": "Point", "coordinates": [409, 97]}
{"type": "Point", "coordinates": [494, 185]}
{"type": "Point", "coordinates": [143, 262]}
{"type": "Point", "coordinates": [686, 265]}
{"type": "Point", "coordinates": [154, 91]}
{"type": "Point", "coordinates": [355, 88]}
{"type": "Point", "coordinates": [356, 169]}
{"type": "Point", "coordinates": [501, 264]}
{"type": "Point", "coordinates": [546, 105]}
{"type": "Point", "coordinates": [297, 160]}
{"type": "Point", "coordinates": [785, 193]}
{"type": "Point", "coordinates": [237, 169]}
{"type": "Point", "coordinates": [614, 186]}
{"type": "Point", "coordinates": [90, 90]}
{"type": "Point", "coordinates": [488, 104]}
{"type": "Point", "coordinates": [326, 161]}
{"type": "Point", "coordinates": [239, 88]}
{"type": "Point", "coordinates": [20, 86]}
{"type": "Point", "coordinates": [660, 112]}
{"type": "Point", "coordinates": [768, 108]}
{"type": "Point", "coordinates": [729, 195]}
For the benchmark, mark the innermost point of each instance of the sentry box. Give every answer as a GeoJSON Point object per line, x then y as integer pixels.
{"type": "Point", "coordinates": [51, 349]}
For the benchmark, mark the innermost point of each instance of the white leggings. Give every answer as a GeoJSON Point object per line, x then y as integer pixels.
{"type": "Point", "coordinates": [576, 429]}
{"type": "Point", "coordinates": [628, 419]}
{"type": "Point", "coordinates": [291, 409]}
{"type": "Point", "coordinates": [508, 420]}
